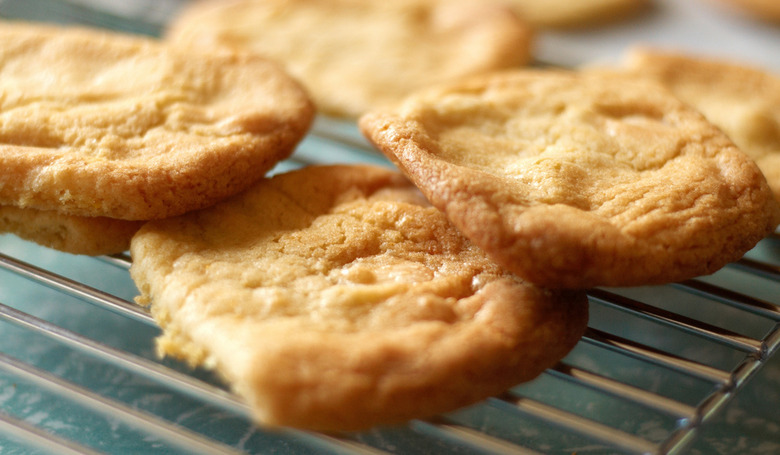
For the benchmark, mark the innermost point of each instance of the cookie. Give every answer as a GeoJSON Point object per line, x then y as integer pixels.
{"type": "Point", "coordinates": [72, 234]}
{"type": "Point", "coordinates": [355, 55]}
{"type": "Point", "coordinates": [100, 124]}
{"type": "Point", "coordinates": [583, 13]}
{"type": "Point", "coordinates": [578, 180]}
{"type": "Point", "coordinates": [743, 101]}
{"type": "Point", "coordinates": [336, 298]}
{"type": "Point", "coordinates": [766, 10]}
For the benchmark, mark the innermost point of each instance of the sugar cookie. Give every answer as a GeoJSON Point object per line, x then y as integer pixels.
{"type": "Point", "coordinates": [743, 101]}
{"type": "Point", "coordinates": [580, 180]}
{"type": "Point", "coordinates": [94, 123]}
{"type": "Point", "coordinates": [581, 13]}
{"type": "Point", "coordinates": [72, 234]}
{"type": "Point", "coordinates": [766, 10]}
{"type": "Point", "coordinates": [336, 298]}
{"type": "Point", "coordinates": [354, 55]}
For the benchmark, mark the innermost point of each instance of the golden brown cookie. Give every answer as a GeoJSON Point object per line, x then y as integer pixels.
{"type": "Point", "coordinates": [765, 10]}
{"type": "Point", "coordinates": [743, 101]}
{"type": "Point", "coordinates": [99, 124]}
{"type": "Point", "coordinates": [72, 234]}
{"type": "Point", "coordinates": [354, 55]}
{"type": "Point", "coordinates": [580, 180]}
{"type": "Point", "coordinates": [580, 13]}
{"type": "Point", "coordinates": [336, 298]}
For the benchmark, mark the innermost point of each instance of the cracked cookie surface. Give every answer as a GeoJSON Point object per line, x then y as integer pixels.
{"type": "Point", "coordinates": [337, 298]}
{"type": "Point", "coordinates": [95, 123]}
{"type": "Point", "coordinates": [744, 101]}
{"type": "Point", "coordinates": [580, 179]}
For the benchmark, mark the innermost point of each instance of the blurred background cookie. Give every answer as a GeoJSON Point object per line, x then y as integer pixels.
{"type": "Point", "coordinates": [765, 10]}
{"type": "Point", "coordinates": [354, 55]}
{"type": "Point", "coordinates": [582, 13]}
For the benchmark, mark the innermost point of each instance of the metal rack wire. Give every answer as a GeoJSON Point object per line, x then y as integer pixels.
{"type": "Point", "coordinates": [656, 369]}
{"type": "Point", "coordinates": [588, 370]}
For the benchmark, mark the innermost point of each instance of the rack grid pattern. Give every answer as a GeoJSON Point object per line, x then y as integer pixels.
{"type": "Point", "coordinates": [558, 402]}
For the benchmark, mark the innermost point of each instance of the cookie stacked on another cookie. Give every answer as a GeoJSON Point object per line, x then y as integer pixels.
{"type": "Point", "coordinates": [94, 235]}
{"type": "Point", "coordinates": [357, 55]}
{"type": "Point", "coordinates": [97, 124]}
{"type": "Point", "coordinates": [337, 298]}
{"type": "Point", "coordinates": [577, 179]}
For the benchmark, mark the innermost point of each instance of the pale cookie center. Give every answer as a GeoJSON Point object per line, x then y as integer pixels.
{"type": "Point", "coordinates": [360, 263]}
{"type": "Point", "coordinates": [573, 156]}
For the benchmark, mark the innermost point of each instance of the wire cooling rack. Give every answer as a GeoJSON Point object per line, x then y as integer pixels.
{"type": "Point", "coordinates": [656, 365]}
{"type": "Point", "coordinates": [682, 368]}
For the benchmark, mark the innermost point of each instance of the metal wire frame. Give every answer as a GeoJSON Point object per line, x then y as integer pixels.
{"type": "Point", "coordinates": [690, 418]}
{"type": "Point", "coordinates": [349, 147]}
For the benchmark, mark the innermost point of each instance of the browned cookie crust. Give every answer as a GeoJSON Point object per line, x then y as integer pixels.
{"type": "Point", "coordinates": [743, 101]}
{"type": "Point", "coordinates": [100, 124]}
{"type": "Point", "coordinates": [578, 13]}
{"type": "Point", "coordinates": [336, 298]}
{"type": "Point", "coordinates": [580, 180]}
